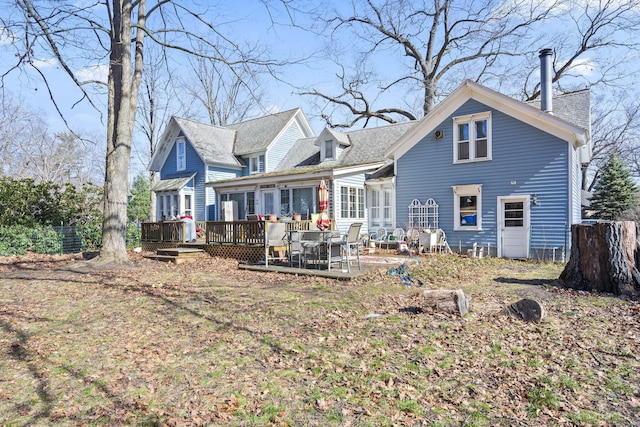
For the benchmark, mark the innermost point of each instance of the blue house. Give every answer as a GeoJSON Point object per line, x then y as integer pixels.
{"type": "Point", "coordinates": [503, 174]}
{"type": "Point", "coordinates": [190, 153]}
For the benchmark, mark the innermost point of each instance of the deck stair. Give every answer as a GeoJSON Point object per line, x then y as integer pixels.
{"type": "Point", "coordinates": [176, 255]}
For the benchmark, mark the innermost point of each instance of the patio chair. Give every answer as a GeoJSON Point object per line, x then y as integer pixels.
{"type": "Point", "coordinates": [396, 236]}
{"type": "Point", "coordinates": [296, 251]}
{"type": "Point", "coordinates": [441, 241]}
{"type": "Point", "coordinates": [276, 238]}
{"type": "Point", "coordinates": [350, 241]}
{"type": "Point", "coordinates": [378, 237]}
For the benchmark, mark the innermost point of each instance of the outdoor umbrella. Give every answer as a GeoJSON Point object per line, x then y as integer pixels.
{"type": "Point", "coordinates": [323, 221]}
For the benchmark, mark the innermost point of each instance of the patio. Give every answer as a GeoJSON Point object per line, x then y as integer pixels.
{"type": "Point", "coordinates": [244, 241]}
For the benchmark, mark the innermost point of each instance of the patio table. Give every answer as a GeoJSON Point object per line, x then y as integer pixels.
{"type": "Point", "coordinates": [321, 242]}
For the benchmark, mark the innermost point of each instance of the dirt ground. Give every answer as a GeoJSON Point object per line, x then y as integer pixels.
{"type": "Point", "coordinates": [206, 343]}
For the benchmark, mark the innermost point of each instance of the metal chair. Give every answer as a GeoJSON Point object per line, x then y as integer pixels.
{"type": "Point", "coordinates": [275, 237]}
{"type": "Point", "coordinates": [352, 240]}
{"type": "Point", "coordinates": [295, 247]}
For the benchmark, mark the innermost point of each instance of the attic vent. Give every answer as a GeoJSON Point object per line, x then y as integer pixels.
{"type": "Point", "coordinates": [439, 134]}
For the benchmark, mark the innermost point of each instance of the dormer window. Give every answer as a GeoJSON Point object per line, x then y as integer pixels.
{"type": "Point", "coordinates": [181, 155]}
{"type": "Point", "coordinates": [256, 164]}
{"type": "Point", "coordinates": [329, 150]}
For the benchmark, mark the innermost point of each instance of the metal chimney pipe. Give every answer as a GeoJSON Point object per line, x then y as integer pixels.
{"type": "Point", "coordinates": [546, 103]}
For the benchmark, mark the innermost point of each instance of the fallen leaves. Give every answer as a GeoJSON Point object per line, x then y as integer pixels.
{"type": "Point", "coordinates": [207, 344]}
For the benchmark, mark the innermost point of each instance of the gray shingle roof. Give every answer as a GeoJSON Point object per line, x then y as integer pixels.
{"type": "Point", "coordinates": [215, 144]}
{"type": "Point", "coordinates": [256, 135]}
{"type": "Point", "coordinates": [366, 146]}
{"type": "Point", "coordinates": [573, 107]}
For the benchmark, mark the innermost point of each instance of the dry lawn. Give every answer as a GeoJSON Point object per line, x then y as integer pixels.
{"type": "Point", "coordinates": [208, 344]}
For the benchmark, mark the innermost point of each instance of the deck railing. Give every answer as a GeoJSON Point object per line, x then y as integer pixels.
{"type": "Point", "coordinates": [216, 232]}
{"type": "Point", "coordinates": [164, 231]}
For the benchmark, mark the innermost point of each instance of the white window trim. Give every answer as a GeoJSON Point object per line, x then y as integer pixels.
{"type": "Point", "coordinates": [181, 163]}
{"type": "Point", "coordinates": [357, 191]}
{"type": "Point", "coordinates": [462, 191]}
{"type": "Point", "coordinates": [383, 221]}
{"type": "Point", "coordinates": [254, 160]}
{"type": "Point", "coordinates": [470, 119]}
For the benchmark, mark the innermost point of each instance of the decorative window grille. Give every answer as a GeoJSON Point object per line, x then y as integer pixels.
{"type": "Point", "coordinates": [423, 216]}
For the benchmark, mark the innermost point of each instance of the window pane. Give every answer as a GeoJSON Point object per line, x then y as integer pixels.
{"type": "Point", "coordinates": [251, 203]}
{"type": "Point", "coordinates": [463, 151]}
{"type": "Point", "coordinates": [481, 148]}
{"type": "Point", "coordinates": [285, 201]}
{"type": "Point", "coordinates": [514, 214]}
{"type": "Point", "coordinates": [303, 200]}
{"type": "Point", "coordinates": [468, 211]}
{"type": "Point", "coordinates": [344, 202]}
{"type": "Point", "coordinates": [352, 203]}
{"type": "Point", "coordinates": [360, 203]}
{"type": "Point", "coordinates": [481, 129]}
{"type": "Point", "coordinates": [463, 132]}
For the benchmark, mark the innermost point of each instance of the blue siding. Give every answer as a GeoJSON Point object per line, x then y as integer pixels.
{"type": "Point", "coordinates": [216, 174]}
{"type": "Point", "coordinates": [537, 162]}
{"type": "Point", "coordinates": [282, 145]}
{"type": "Point", "coordinates": [193, 164]}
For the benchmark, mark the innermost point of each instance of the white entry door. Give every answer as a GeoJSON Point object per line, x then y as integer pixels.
{"type": "Point", "coordinates": [513, 231]}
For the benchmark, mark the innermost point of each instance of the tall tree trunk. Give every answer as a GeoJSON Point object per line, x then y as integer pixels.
{"type": "Point", "coordinates": [123, 92]}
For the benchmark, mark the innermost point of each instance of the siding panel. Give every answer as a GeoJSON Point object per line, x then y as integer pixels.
{"type": "Point", "coordinates": [525, 160]}
{"type": "Point", "coordinates": [282, 145]}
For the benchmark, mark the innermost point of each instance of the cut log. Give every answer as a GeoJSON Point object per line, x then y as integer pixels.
{"type": "Point", "coordinates": [604, 258]}
{"type": "Point", "coordinates": [526, 309]}
{"type": "Point", "coordinates": [448, 301]}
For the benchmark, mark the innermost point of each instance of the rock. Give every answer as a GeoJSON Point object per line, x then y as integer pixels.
{"type": "Point", "coordinates": [448, 301]}
{"type": "Point", "coordinates": [526, 309]}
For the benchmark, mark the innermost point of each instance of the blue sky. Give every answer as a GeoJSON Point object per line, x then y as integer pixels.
{"type": "Point", "coordinates": [246, 21]}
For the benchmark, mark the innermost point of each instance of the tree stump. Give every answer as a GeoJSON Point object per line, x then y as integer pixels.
{"type": "Point", "coordinates": [448, 301]}
{"type": "Point", "coordinates": [604, 258]}
{"type": "Point", "coordinates": [526, 309]}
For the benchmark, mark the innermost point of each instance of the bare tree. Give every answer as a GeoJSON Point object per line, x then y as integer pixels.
{"type": "Point", "coordinates": [425, 41]}
{"type": "Point", "coordinates": [28, 149]}
{"type": "Point", "coordinates": [419, 51]}
{"type": "Point", "coordinates": [227, 94]}
{"type": "Point", "coordinates": [616, 129]}
{"type": "Point", "coordinates": [119, 29]}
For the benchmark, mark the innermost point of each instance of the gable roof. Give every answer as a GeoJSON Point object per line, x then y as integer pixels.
{"type": "Point", "coordinates": [552, 124]}
{"type": "Point", "coordinates": [257, 135]}
{"type": "Point", "coordinates": [212, 143]}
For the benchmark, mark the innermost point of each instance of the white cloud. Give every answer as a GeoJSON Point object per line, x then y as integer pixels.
{"type": "Point", "coordinates": [45, 63]}
{"type": "Point", "coordinates": [584, 67]}
{"type": "Point", "coordinates": [7, 37]}
{"type": "Point", "coordinates": [93, 73]}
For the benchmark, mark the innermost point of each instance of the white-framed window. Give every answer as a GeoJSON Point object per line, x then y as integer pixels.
{"type": "Point", "coordinates": [329, 150]}
{"type": "Point", "coordinates": [380, 208]}
{"type": "Point", "coordinates": [467, 204]}
{"type": "Point", "coordinates": [256, 164]}
{"type": "Point", "coordinates": [352, 202]}
{"type": "Point", "coordinates": [472, 138]}
{"type": "Point", "coordinates": [181, 155]}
